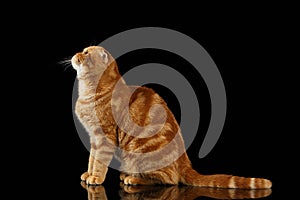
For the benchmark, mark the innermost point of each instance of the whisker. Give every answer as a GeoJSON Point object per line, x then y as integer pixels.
{"type": "Point", "coordinates": [66, 63]}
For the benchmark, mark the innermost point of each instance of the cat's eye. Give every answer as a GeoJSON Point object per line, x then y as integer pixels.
{"type": "Point", "coordinates": [85, 52]}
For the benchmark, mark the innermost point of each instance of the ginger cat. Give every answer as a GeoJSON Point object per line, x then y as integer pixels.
{"type": "Point", "coordinates": [110, 128]}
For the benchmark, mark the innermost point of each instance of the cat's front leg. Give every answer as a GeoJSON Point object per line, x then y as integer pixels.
{"type": "Point", "coordinates": [98, 174]}
{"type": "Point", "coordinates": [85, 175]}
{"type": "Point", "coordinates": [103, 154]}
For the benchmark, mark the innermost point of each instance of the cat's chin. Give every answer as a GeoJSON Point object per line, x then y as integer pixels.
{"type": "Point", "coordinates": [80, 72]}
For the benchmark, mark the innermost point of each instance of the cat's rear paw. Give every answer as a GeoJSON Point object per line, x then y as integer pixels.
{"type": "Point", "coordinates": [130, 180]}
{"type": "Point", "coordinates": [94, 180]}
{"type": "Point", "coordinates": [84, 176]}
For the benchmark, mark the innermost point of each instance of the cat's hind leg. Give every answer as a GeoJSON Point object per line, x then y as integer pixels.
{"type": "Point", "coordinates": [163, 177]}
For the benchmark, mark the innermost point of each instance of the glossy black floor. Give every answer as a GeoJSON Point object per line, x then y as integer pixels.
{"type": "Point", "coordinates": [113, 189]}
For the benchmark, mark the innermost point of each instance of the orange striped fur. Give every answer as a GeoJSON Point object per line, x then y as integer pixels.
{"type": "Point", "coordinates": [97, 74]}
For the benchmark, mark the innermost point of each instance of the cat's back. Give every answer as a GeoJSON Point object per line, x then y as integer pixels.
{"type": "Point", "coordinates": [141, 101]}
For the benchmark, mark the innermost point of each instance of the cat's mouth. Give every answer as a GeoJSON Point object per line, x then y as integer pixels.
{"type": "Point", "coordinates": [77, 64]}
{"type": "Point", "coordinates": [77, 59]}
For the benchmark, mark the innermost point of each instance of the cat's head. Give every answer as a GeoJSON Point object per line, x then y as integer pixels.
{"type": "Point", "coordinates": [91, 61]}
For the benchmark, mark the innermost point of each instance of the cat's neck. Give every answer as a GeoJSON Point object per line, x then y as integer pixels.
{"type": "Point", "coordinates": [87, 88]}
{"type": "Point", "coordinates": [97, 86]}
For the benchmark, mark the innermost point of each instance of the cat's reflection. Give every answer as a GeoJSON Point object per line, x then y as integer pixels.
{"type": "Point", "coordinates": [175, 192]}
{"type": "Point", "coordinates": [95, 192]}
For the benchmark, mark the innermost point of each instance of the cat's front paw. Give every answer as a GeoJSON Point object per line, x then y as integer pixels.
{"type": "Point", "coordinates": [84, 176]}
{"type": "Point", "coordinates": [94, 180]}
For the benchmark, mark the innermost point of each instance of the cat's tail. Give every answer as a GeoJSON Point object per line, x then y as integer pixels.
{"type": "Point", "coordinates": [192, 177]}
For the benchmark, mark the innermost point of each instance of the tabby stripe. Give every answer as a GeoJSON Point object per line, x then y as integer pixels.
{"type": "Point", "coordinates": [252, 183]}
{"type": "Point", "coordinates": [232, 182]}
{"type": "Point", "coordinates": [126, 140]}
{"type": "Point", "coordinates": [103, 102]}
{"type": "Point", "coordinates": [156, 142]}
{"type": "Point", "coordinates": [262, 183]}
{"type": "Point", "coordinates": [103, 95]}
{"type": "Point", "coordinates": [105, 159]}
{"type": "Point", "coordinates": [151, 130]}
{"type": "Point", "coordinates": [161, 156]}
{"type": "Point", "coordinates": [172, 177]}
{"type": "Point", "coordinates": [105, 153]}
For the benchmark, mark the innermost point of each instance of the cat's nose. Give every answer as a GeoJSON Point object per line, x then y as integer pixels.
{"type": "Point", "coordinates": [79, 57]}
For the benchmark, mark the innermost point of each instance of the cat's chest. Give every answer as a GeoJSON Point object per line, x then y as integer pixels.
{"type": "Point", "coordinates": [86, 113]}
{"type": "Point", "coordinates": [93, 114]}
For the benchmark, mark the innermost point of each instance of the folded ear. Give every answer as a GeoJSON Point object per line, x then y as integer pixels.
{"type": "Point", "coordinates": [104, 56]}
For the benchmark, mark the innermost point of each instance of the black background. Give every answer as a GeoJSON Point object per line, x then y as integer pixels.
{"type": "Point", "coordinates": [247, 47]}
